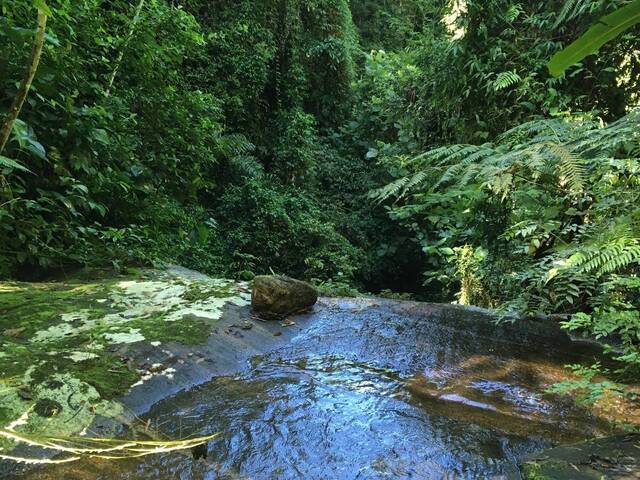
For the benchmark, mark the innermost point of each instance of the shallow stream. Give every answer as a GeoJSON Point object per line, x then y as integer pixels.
{"type": "Point", "coordinates": [369, 392]}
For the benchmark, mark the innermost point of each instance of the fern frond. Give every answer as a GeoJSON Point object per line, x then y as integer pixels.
{"type": "Point", "coordinates": [571, 169]}
{"type": "Point", "coordinates": [234, 145]}
{"type": "Point", "coordinates": [416, 180]}
{"type": "Point", "coordinates": [505, 80]}
{"type": "Point", "coordinates": [391, 190]}
{"type": "Point", "coordinates": [573, 9]}
{"type": "Point", "coordinates": [606, 258]}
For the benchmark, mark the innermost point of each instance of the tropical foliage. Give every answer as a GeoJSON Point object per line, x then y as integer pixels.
{"type": "Point", "coordinates": [419, 146]}
{"type": "Point", "coordinates": [551, 206]}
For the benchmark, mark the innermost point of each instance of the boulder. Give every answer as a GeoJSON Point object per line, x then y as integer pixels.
{"type": "Point", "coordinates": [274, 297]}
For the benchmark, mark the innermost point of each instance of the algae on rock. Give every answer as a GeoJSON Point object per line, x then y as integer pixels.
{"type": "Point", "coordinates": [61, 343]}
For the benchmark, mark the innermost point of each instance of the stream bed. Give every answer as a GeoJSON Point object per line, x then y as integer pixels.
{"type": "Point", "coordinates": [371, 390]}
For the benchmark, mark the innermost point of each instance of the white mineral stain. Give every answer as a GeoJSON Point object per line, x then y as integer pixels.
{"type": "Point", "coordinates": [72, 324]}
{"type": "Point", "coordinates": [154, 372]}
{"type": "Point", "coordinates": [144, 298]}
{"type": "Point", "coordinates": [79, 402]}
{"type": "Point", "coordinates": [156, 300]}
{"type": "Point", "coordinates": [81, 356]}
{"type": "Point", "coordinates": [241, 300]}
{"type": "Point", "coordinates": [24, 418]}
{"type": "Point", "coordinates": [132, 336]}
{"type": "Point", "coordinates": [147, 293]}
{"type": "Point", "coordinates": [210, 309]}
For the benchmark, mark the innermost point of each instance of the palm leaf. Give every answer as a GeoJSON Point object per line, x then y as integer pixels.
{"type": "Point", "coordinates": [605, 29]}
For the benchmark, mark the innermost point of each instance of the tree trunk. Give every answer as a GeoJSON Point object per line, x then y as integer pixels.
{"type": "Point", "coordinates": [25, 86]}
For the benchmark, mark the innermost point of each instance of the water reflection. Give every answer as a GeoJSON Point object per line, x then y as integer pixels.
{"type": "Point", "coordinates": [325, 418]}
{"type": "Point", "coordinates": [365, 395]}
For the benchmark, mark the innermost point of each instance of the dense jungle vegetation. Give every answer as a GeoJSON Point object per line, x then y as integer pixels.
{"type": "Point", "coordinates": [413, 146]}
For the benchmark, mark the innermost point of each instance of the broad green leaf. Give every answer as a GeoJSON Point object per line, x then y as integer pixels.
{"type": "Point", "coordinates": [42, 6]}
{"type": "Point", "coordinates": [6, 162]}
{"type": "Point", "coordinates": [372, 153]}
{"type": "Point", "coordinates": [52, 39]}
{"type": "Point", "coordinates": [203, 234]}
{"type": "Point", "coordinates": [604, 30]}
{"type": "Point", "coordinates": [36, 148]}
{"type": "Point", "coordinates": [100, 135]}
{"type": "Point", "coordinates": [26, 138]}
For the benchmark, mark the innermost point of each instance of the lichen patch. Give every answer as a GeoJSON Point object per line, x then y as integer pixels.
{"type": "Point", "coordinates": [132, 336]}
{"type": "Point", "coordinates": [81, 356]}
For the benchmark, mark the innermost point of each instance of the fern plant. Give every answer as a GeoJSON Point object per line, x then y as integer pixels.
{"type": "Point", "coordinates": [505, 80]}
{"type": "Point", "coordinates": [555, 203]}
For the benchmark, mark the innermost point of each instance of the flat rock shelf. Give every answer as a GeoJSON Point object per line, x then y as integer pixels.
{"type": "Point", "coordinates": [361, 388]}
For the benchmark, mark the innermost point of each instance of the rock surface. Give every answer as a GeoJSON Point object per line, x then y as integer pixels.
{"type": "Point", "coordinates": [274, 297]}
{"type": "Point", "coordinates": [78, 351]}
{"type": "Point", "coordinates": [84, 354]}
{"type": "Point", "coordinates": [334, 395]}
{"type": "Point", "coordinates": [615, 457]}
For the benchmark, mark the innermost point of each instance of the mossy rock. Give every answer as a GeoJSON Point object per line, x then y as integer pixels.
{"type": "Point", "coordinates": [274, 297]}
{"type": "Point", "coordinates": [71, 349]}
{"type": "Point", "coordinates": [246, 275]}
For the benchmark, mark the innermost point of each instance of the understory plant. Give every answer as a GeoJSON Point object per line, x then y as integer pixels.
{"type": "Point", "coordinates": [556, 206]}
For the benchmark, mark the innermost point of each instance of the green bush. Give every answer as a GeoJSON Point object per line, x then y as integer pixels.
{"type": "Point", "coordinates": [268, 228]}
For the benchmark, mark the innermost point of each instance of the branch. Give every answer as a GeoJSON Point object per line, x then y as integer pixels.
{"type": "Point", "coordinates": [134, 23]}
{"type": "Point", "coordinates": [25, 86]}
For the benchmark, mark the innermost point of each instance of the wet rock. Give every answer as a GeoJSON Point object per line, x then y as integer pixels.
{"type": "Point", "coordinates": [47, 408]}
{"type": "Point", "coordinates": [200, 452]}
{"type": "Point", "coordinates": [614, 457]}
{"type": "Point", "coordinates": [505, 394]}
{"type": "Point", "coordinates": [274, 297]}
{"type": "Point", "coordinates": [54, 384]}
{"type": "Point", "coordinates": [25, 394]}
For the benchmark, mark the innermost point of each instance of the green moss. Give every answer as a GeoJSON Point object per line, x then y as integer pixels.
{"type": "Point", "coordinates": [191, 330]}
{"type": "Point", "coordinates": [200, 291]}
{"type": "Point", "coordinates": [31, 314]}
{"type": "Point", "coordinates": [58, 327]}
{"type": "Point", "coordinates": [34, 307]}
{"type": "Point", "coordinates": [246, 275]}
{"type": "Point", "coordinates": [534, 470]}
{"type": "Point", "coordinates": [12, 364]}
{"type": "Point", "coordinates": [55, 338]}
{"type": "Point", "coordinates": [109, 376]}
{"type": "Point", "coordinates": [135, 272]}
{"type": "Point", "coordinates": [6, 415]}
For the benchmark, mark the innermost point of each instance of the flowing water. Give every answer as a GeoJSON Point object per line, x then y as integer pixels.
{"type": "Point", "coordinates": [369, 393]}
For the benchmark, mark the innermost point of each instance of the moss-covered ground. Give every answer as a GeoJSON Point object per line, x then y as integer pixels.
{"type": "Point", "coordinates": [61, 343]}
